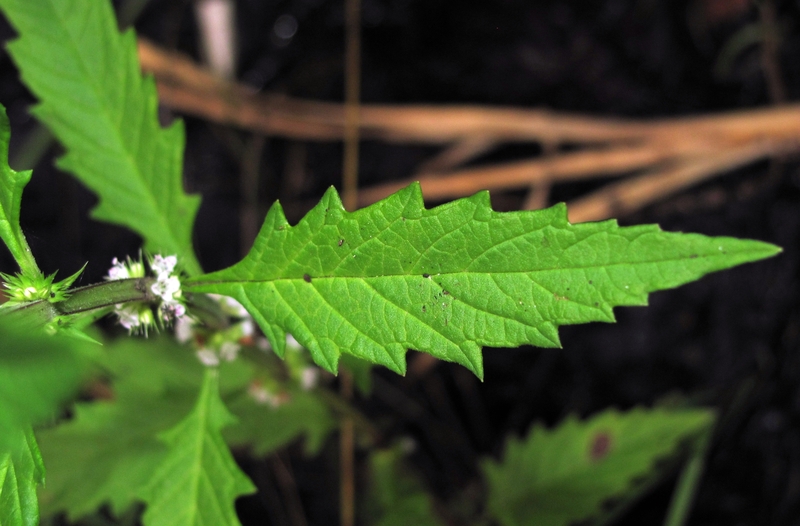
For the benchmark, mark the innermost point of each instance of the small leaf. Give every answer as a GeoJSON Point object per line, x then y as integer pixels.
{"type": "Point", "coordinates": [452, 279]}
{"type": "Point", "coordinates": [198, 480]}
{"type": "Point", "coordinates": [560, 476]}
{"type": "Point", "coordinates": [11, 185]}
{"type": "Point", "coordinates": [94, 99]}
{"type": "Point", "coordinates": [21, 470]}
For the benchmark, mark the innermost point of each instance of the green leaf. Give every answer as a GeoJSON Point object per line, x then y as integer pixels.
{"type": "Point", "coordinates": [198, 481]}
{"type": "Point", "coordinates": [37, 374]}
{"type": "Point", "coordinates": [21, 470]}
{"type": "Point", "coordinates": [449, 280]}
{"type": "Point", "coordinates": [94, 99]}
{"type": "Point", "coordinates": [11, 185]}
{"type": "Point", "coordinates": [109, 450]}
{"type": "Point", "coordinates": [395, 496]}
{"type": "Point", "coordinates": [560, 476]}
{"type": "Point", "coordinates": [266, 429]}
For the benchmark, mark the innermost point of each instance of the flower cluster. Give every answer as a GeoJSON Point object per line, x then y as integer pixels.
{"type": "Point", "coordinates": [138, 316]}
{"type": "Point", "coordinates": [222, 345]}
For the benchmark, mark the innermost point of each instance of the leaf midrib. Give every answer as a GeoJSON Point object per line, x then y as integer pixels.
{"type": "Point", "coordinates": [199, 281]}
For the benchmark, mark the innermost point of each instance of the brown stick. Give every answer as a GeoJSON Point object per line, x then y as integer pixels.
{"type": "Point", "coordinates": [566, 167]}
{"type": "Point", "coordinates": [628, 195]}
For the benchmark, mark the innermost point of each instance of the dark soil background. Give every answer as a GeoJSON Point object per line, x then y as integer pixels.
{"type": "Point", "coordinates": [729, 341]}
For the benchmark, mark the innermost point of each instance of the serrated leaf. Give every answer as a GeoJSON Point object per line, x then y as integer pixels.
{"type": "Point", "coordinates": [109, 450]}
{"type": "Point", "coordinates": [37, 374]}
{"type": "Point", "coordinates": [452, 279]}
{"type": "Point", "coordinates": [198, 481]}
{"type": "Point", "coordinates": [563, 475]}
{"type": "Point", "coordinates": [94, 99]}
{"type": "Point", "coordinates": [21, 470]}
{"type": "Point", "coordinates": [266, 429]}
{"type": "Point", "coordinates": [11, 185]}
{"type": "Point", "coordinates": [396, 497]}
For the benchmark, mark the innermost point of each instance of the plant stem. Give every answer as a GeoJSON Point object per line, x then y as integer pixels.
{"type": "Point", "coordinates": [107, 294]}
{"type": "Point", "coordinates": [686, 488]}
{"type": "Point", "coordinates": [83, 299]}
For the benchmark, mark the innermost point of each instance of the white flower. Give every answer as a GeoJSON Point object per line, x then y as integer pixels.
{"type": "Point", "coordinates": [229, 350]}
{"type": "Point", "coordinates": [184, 329]}
{"type": "Point", "coordinates": [248, 329]}
{"type": "Point", "coordinates": [309, 378]}
{"type": "Point", "coordinates": [230, 306]}
{"type": "Point", "coordinates": [167, 288]}
{"type": "Point", "coordinates": [208, 357]}
{"type": "Point", "coordinates": [128, 316]}
{"type": "Point", "coordinates": [124, 270]}
{"type": "Point", "coordinates": [292, 343]}
{"type": "Point", "coordinates": [118, 270]}
{"type": "Point", "coordinates": [171, 311]}
{"type": "Point", "coordinates": [163, 266]}
{"type": "Point", "coordinates": [136, 317]}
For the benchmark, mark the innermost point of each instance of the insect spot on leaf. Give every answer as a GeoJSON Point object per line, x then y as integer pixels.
{"type": "Point", "coordinates": [590, 282]}
{"type": "Point", "coordinates": [341, 242]}
{"type": "Point", "coordinates": [600, 446]}
{"type": "Point", "coordinates": [424, 309]}
{"type": "Point", "coordinates": [445, 292]}
{"type": "Point", "coordinates": [426, 275]}
{"type": "Point", "coordinates": [307, 278]}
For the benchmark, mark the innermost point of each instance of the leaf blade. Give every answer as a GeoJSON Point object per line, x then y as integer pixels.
{"type": "Point", "coordinates": [21, 470]}
{"type": "Point", "coordinates": [11, 185]}
{"type": "Point", "coordinates": [558, 476]}
{"type": "Point", "coordinates": [198, 480]}
{"type": "Point", "coordinates": [94, 99]}
{"type": "Point", "coordinates": [452, 279]}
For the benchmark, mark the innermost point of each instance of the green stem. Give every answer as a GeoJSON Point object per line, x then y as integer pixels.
{"type": "Point", "coordinates": [83, 299]}
{"type": "Point", "coordinates": [686, 487]}
{"type": "Point", "coordinates": [107, 294]}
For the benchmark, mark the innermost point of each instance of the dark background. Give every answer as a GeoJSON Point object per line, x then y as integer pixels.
{"type": "Point", "coordinates": [729, 341]}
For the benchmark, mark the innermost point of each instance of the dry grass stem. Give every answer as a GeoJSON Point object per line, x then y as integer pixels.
{"type": "Point", "coordinates": [663, 155]}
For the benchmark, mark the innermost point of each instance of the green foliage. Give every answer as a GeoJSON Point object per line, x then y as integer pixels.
{"type": "Point", "coordinates": [370, 284]}
{"type": "Point", "coordinates": [11, 185]}
{"type": "Point", "coordinates": [21, 470]}
{"type": "Point", "coordinates": [198, 480]}
{"type": "Point", "coordinates": [266, 429]}
{"type": "Point", "coordinates": [37, 374]}
{"type": "Point", "coordinates": [449, 280]}
{"type": "Point", "coordinates": [395, 494]}
{"type": "Point", "coordinates": [560, 476]}
{"type": "Point", "coordinates": [93, 98]}
{"type": "Point", "coordinates": [107, 453]}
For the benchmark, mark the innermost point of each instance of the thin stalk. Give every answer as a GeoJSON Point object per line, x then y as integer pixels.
{"type": "Point", "coordinates": [352, 90]}
{"type": "Point", "coordinates": [350, 198]}
{"type": "Point", "coordinates": [686, 488]}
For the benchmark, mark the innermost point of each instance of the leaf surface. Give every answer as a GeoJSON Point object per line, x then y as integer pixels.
{"type": "Point", "coordinates": [449, 280]}
{"type": "Point", "coordinates": [21, 470]}
{"type": "Point", "coordinates": [37, 374]}
{"type": "Point", "coordinates": [265, 428]}
{"type": "Point", "coordinates": [555, 477]}
{"type": "Point", "coordinates": [11, 185]}
{"type": "Point", "coordinates": [396, 496]}
{"type": "Point", "coordinates": [198, 480]}
{"type": "Point", "coordinates": [94, 99]}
